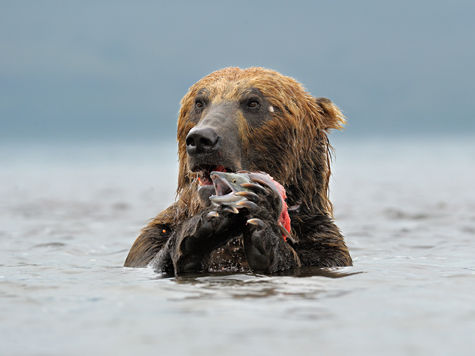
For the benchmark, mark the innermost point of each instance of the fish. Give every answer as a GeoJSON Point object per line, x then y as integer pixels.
{"type": "Point", "coordinates": [238, 190]}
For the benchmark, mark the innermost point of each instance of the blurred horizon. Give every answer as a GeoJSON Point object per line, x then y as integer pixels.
{"type": "Point", "coordinates": [114, 71]}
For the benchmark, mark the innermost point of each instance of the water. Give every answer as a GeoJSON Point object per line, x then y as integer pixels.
{"type": "Point", "coordinates": [69, 214]}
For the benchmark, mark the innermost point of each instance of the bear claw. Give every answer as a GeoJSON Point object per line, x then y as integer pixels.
{"type": "Point", "coordinates": [247, 195]}
{"type": "Point", "coordinates": [247, 204]}
{"type": "Point", "coordinates": [256, 187]}
{"type": "Point", "coordinates": [231, 209]}
{"type": "Point", "coordinates": [213, 214]}
{"type": "Point", "coordinates": [256, 222]}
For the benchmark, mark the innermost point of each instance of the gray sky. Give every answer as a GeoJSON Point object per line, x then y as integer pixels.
{"type": "Point", "coordinates": [117, 70]}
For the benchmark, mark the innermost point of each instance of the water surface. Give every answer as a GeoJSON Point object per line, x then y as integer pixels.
{"type": "Point", "coordinates": [69, 214]}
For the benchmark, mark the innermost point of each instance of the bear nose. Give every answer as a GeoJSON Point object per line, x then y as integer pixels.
{"type": "Point", "coordinates": [201, 140]}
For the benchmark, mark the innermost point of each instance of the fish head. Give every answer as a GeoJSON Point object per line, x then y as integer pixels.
{"type": "Point", "coordinates": [228, 183]}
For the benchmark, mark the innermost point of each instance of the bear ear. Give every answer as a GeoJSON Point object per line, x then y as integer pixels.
{"type": "Point", "coordinates": [332, 116]}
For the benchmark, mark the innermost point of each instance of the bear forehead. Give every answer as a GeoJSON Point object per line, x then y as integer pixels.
{"type": "Point", "coordinates": [232, 83]}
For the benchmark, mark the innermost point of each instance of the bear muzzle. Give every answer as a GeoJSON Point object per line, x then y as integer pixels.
{"type": "Point", "coordinates": [214, 144]}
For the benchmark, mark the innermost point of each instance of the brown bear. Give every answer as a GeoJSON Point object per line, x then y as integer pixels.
{"type": "Point", "coordinates": [252, 119]}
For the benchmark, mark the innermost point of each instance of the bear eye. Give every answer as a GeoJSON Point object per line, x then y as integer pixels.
{"type": "Point", "coordinates": [199, 104]}
{"type": "Point", "coordinates": [253, 104]}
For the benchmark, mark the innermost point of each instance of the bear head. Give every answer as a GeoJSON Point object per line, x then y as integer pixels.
{"type": "Point", "coordinates": [255, 119]}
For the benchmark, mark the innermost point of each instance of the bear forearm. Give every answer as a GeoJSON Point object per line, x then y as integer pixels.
{"type": "Point", "coordinates": [319, 241]}
{"type": "Point", "coordinates": [323, 255]}
{"type": "Point", "coordinates": [322, 245]}
{"type": "Point", "coordinates": [147, 245]}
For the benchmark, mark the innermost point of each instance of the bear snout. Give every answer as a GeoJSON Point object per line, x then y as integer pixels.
{"type": "Point", "coordinates": [201, 140]}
